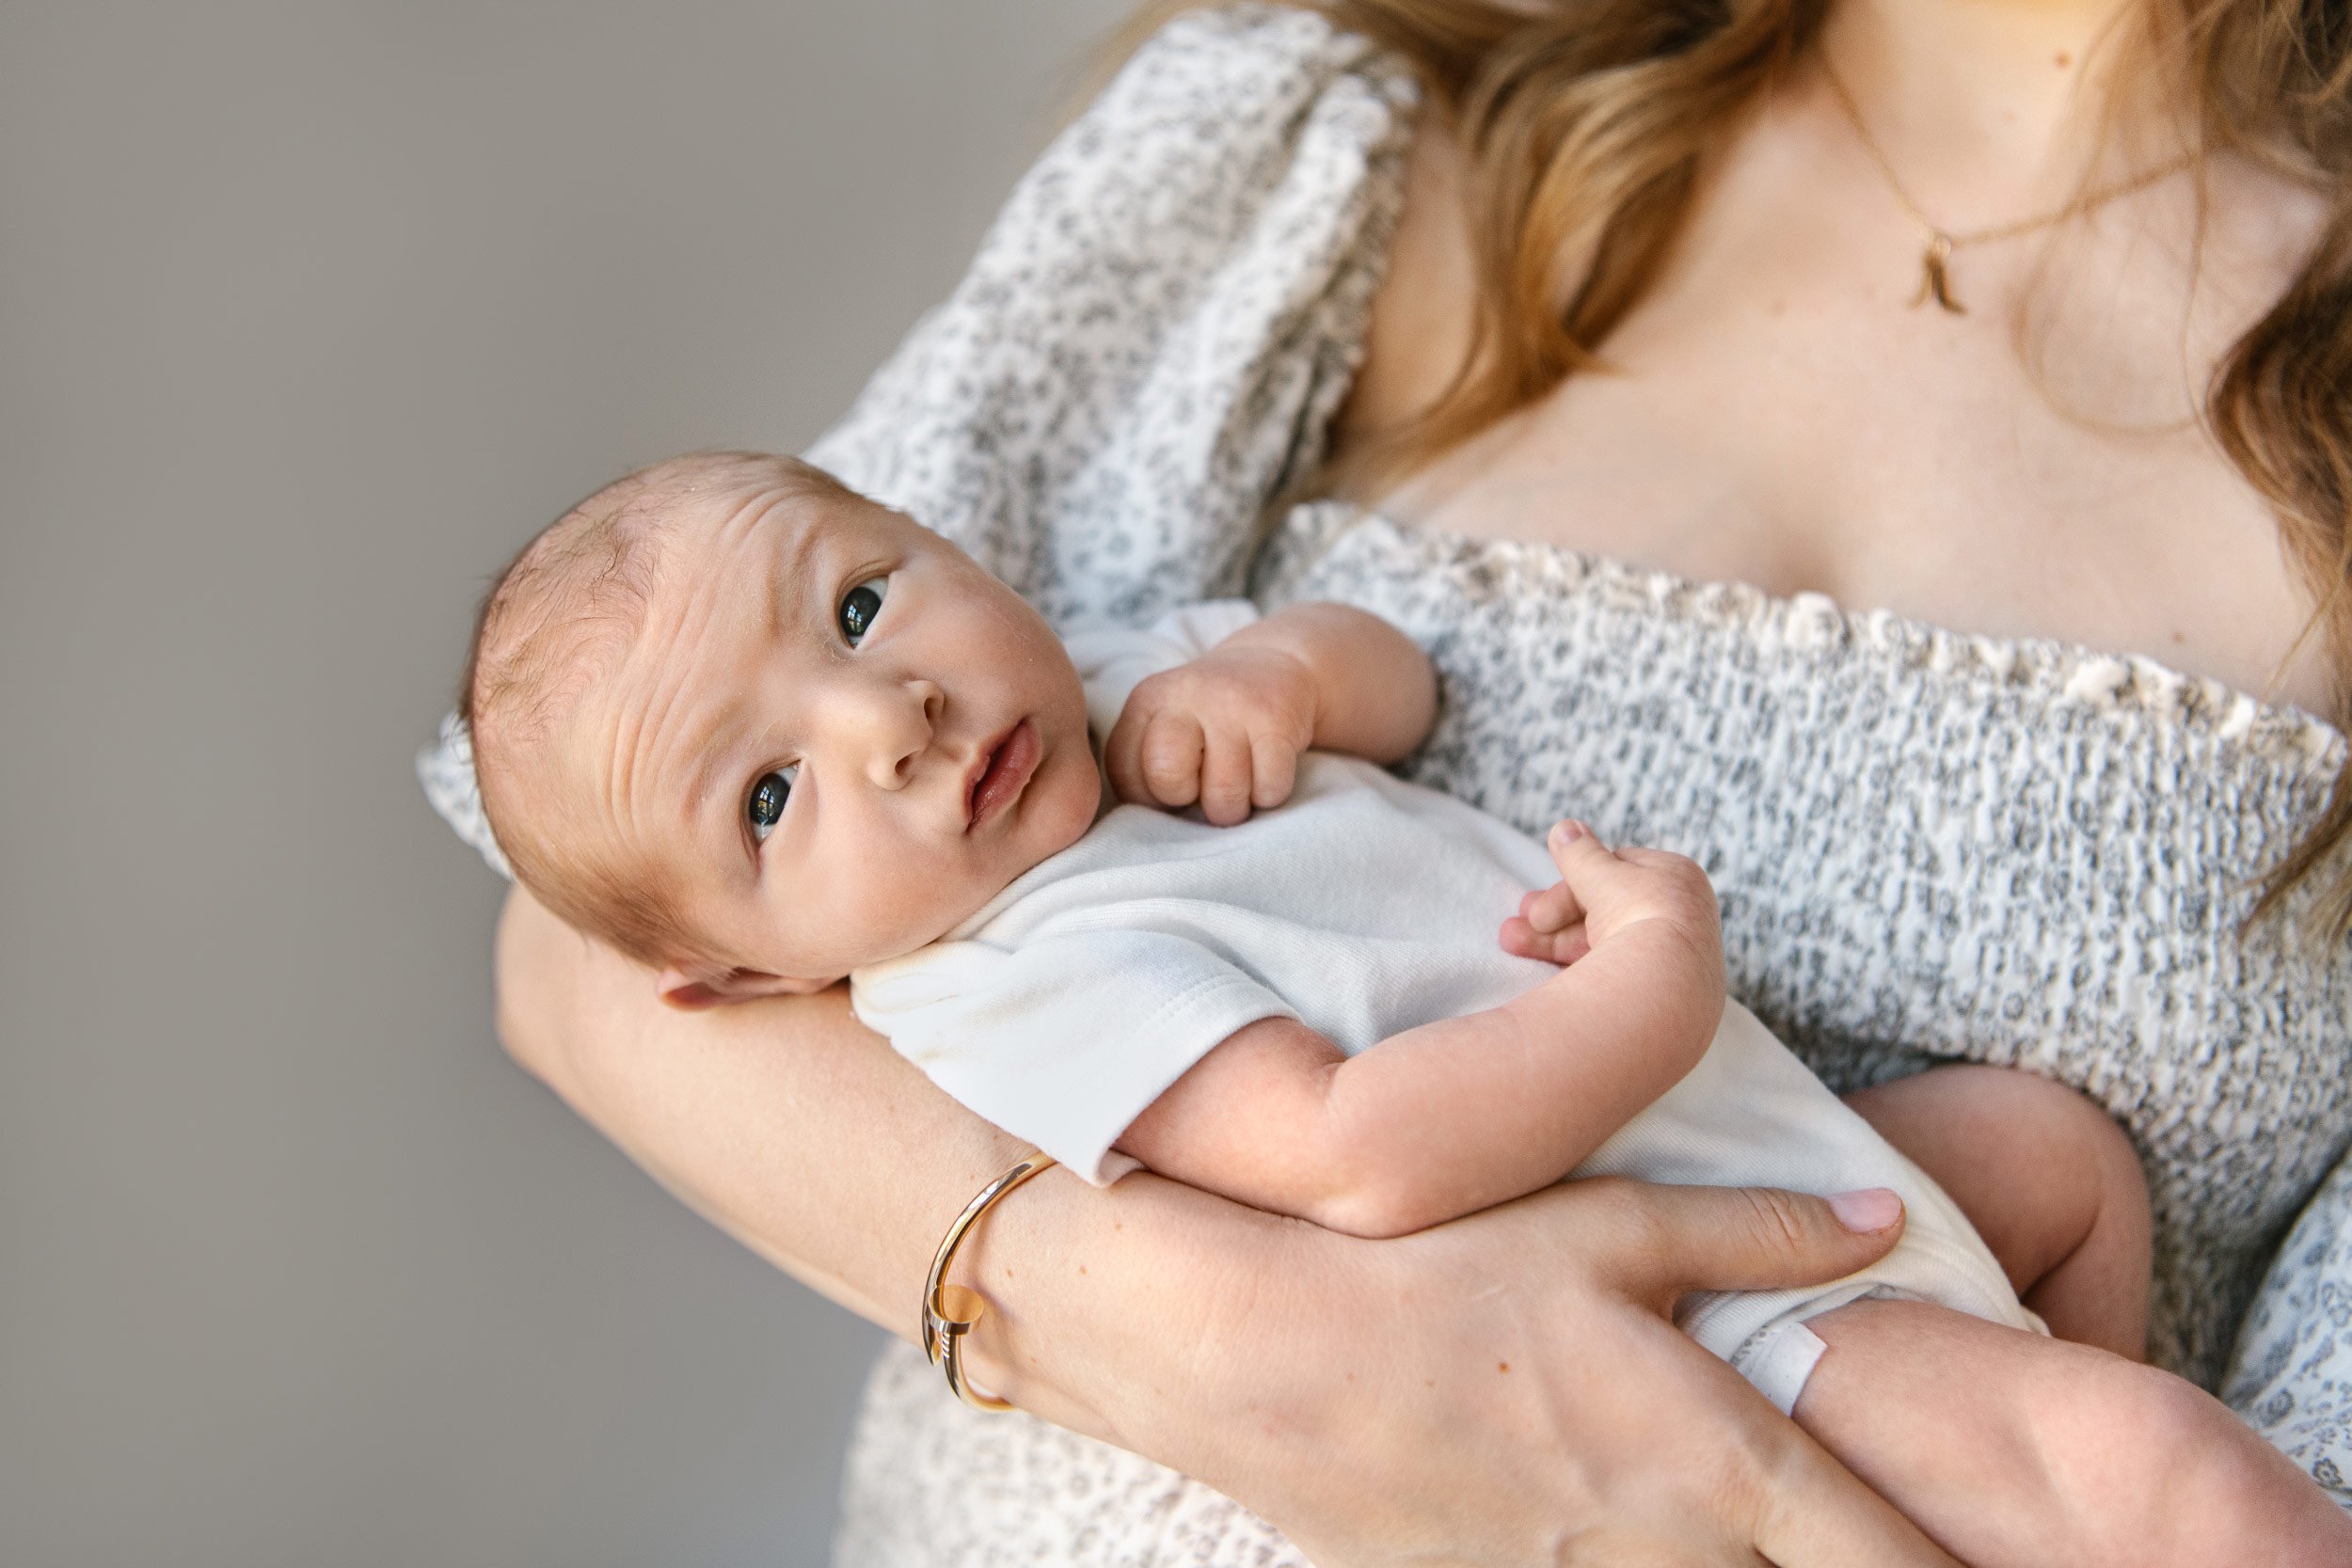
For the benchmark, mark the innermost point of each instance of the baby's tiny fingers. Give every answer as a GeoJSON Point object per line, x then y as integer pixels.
{"type": "Point", "coordinates": [1122, 754]}
{"type": "Point", "coordinates": [1225, 777]}
{"type": "Point", "coordinates": [1273, 771]}
{"type": "Point", "coordinates": [1516, 936]}
{"type": "Point", "coordinates": [1521, 940]}
{"type": "Point", "coordinates": [1172, 759]}
{"type": "Point", "coordinates": [1568, 832]}
{"type": "Point", "coordinates": [1551, 908]}
{"type": "Point", "coordinates": [1581, 856]}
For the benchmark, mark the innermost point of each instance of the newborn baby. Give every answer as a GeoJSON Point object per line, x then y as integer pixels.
{"type": "Point", "coordinates": [762, 734]}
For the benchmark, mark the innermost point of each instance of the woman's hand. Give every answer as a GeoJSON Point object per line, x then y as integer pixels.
{"type": "Point", "coordinates": [1507, 1391]}
{"type": "Point", "coordinates": [1503, 1390]}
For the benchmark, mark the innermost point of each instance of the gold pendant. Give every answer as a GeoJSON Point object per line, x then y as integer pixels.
{"type": "Point", "coordinates": [1934, 280]}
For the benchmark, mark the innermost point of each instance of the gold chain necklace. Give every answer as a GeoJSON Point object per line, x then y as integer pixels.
{"type": "Point", "coordinates": [1935, 279]}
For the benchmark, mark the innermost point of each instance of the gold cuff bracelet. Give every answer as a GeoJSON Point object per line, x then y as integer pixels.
{"type": "Point", "coordinates": [950, 1310]}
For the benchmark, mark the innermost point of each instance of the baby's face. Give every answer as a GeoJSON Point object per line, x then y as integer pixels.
{"type": "Point", "coordinates": [837, 737]}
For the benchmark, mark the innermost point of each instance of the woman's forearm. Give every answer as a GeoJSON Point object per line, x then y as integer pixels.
{"type": "Point", "coordinates": [743, 1111]}
{"type": "Point", "coordinates": [799, 1131]}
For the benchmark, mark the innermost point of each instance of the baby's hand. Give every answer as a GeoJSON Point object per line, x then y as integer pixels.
{"type": "Point", "coordinates": [1603, 892]}
{"type": "Point", "coordinates": [1225, 730]}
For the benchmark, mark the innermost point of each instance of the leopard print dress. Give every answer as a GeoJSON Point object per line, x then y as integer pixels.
{"type": "Point", "coordinates": [1928, 846]}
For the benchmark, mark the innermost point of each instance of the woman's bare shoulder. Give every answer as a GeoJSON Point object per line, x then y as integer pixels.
{"type": "Point", "coordinates": [1423, 315]}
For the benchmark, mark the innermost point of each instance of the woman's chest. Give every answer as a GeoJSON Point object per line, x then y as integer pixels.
{"type": "Point", "coordinates": [1774, 411]}
{"type": "Point", "coordinates": [1802, 446]}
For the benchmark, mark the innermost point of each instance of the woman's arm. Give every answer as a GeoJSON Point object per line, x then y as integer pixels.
{"type": "Point", "coordinates": [1233, 1345]}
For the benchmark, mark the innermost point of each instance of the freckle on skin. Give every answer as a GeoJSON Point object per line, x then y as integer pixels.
{"type": "Point", "coordinates": [2064, 59]}
{"type": "Point", "coordinates": [1502, 1366]}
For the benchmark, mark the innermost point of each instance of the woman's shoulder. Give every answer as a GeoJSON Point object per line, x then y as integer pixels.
{"type": "Point", "coordinates": [1247, 137]}
{"type": "Point", "coordinates": [1160, 322]}
{"type": "Point", "coordinates": [1213, 77]}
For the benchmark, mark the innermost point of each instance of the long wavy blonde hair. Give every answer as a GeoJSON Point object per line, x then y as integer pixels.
{"type": "Point", "coordinates": [1585, 124]}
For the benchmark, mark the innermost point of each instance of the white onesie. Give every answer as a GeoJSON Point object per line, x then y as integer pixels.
{"type": "Point", "coordinates": [1362, 906]}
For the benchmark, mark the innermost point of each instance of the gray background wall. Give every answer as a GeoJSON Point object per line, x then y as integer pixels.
{"type": "Point", "coordinates": [310, 312]}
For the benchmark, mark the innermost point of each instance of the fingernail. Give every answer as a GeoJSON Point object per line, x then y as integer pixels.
{"type": "Point", "coordinates": [1567, 831]}
{"type": "Point", "coordinates": [1872, 1210]}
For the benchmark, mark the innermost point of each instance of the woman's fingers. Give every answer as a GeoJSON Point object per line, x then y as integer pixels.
{"type": "Point", "coordinates": [1803, 1507]}
{"type": "Point", "coordinates": [1523, 1396]}
{"type": "Point", "coordinates": [1669, 1240]}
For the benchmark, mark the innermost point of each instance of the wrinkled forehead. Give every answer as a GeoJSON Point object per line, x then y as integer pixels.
{"type": "Point", "coordinates": [736, 567]}
{"type": "Point", "coordinates": [729, 566]}
{"type": "Point", "coordinates": [757, 536]}
{"type": "Point", "coordinates": [733, 571]}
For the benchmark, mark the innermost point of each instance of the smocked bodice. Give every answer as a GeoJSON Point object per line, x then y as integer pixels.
{"type": "Point", "coordinates": [1927, 846]}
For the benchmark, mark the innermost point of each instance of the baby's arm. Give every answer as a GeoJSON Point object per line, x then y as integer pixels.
{"type": "Point", "coordinates": [1461, 1113]}
{"type": "Point", "coordinates": [1226, 729]}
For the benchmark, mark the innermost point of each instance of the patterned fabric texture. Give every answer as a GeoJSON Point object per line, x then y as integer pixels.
{"type": "Point", "coordinates": [1928, 846]}
{"type": "Point", "coordinates": [2292, 1376]}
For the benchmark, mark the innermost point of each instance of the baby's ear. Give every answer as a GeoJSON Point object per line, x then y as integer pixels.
{"type": "Point", "coordinates": [691, 994]}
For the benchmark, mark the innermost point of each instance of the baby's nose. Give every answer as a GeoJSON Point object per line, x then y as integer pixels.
{"type": "Point", "coordinates": [902, 723]}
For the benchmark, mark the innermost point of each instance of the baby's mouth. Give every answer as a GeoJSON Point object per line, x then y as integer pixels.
{"type": "Point", "coordinates": [1003, 775]}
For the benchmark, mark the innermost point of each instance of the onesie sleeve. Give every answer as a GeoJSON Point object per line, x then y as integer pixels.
{"type": "Point", "coordinates": [1065, 1039]}
{"type": "Point", "coordinates": [1153, 337]}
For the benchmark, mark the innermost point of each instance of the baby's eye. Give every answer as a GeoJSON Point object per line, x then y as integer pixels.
{"type": "Point", "coordinates": [859, 607]}
{"type": "Point", "coordinates": [766, 807]}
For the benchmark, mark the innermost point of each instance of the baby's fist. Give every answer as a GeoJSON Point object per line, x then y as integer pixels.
{"type": "Point", "coordinates": [1224, 730]}
{"type": "Point", "coordinates": [1603, 892]}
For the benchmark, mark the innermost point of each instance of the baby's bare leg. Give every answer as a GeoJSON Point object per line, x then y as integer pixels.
{"type": "Point", "coordinates": [2050, 1182]}
{"type": "Point", "coordinates": [2014, 1449]}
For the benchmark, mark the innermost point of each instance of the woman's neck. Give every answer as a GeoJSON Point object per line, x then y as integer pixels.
{"type": "Point", "coordinates": [1991, 108]}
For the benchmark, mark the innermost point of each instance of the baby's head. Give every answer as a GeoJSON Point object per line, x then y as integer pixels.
{"type": "Point", "coordinates": [756, 730]}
